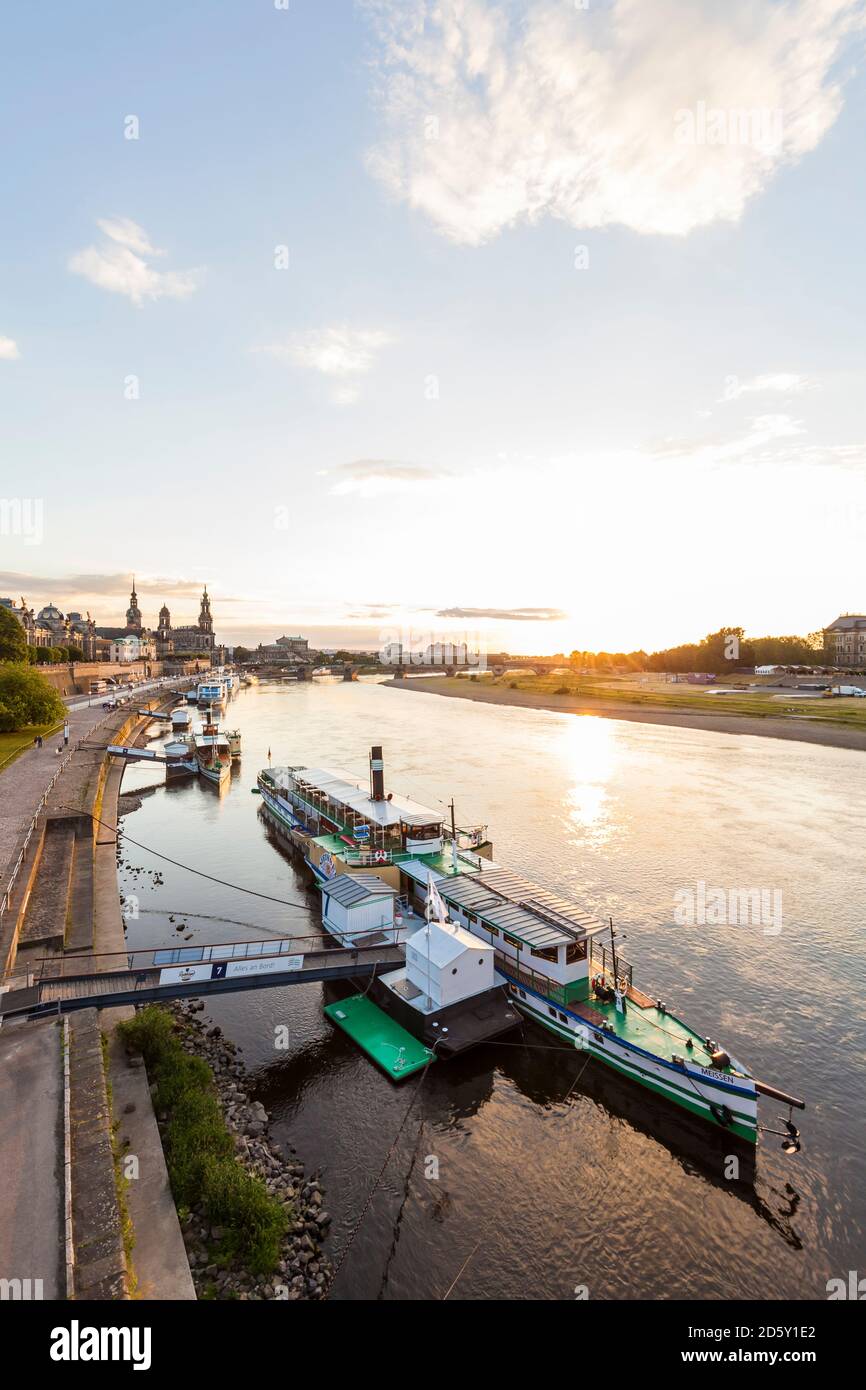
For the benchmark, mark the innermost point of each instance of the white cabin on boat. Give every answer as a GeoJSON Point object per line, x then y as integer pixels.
{"type": "Point", "coordinates": [358, 909]}
{"type": "Point", "coordinates": [447, 964]}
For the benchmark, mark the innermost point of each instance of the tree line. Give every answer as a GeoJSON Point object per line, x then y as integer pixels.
{"type": "Point", "coordinates": [718, 652]}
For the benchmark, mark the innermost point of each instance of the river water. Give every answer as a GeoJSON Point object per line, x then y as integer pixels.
{"type": "Point", "coordinates": [524, 1171]}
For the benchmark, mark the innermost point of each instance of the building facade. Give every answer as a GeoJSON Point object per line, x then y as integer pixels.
{"type": "Point", "coordinates": [52, 628]}
{"type": "Point", "coordinates": [845, 640]}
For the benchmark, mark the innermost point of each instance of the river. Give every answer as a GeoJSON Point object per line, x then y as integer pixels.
{"type": "Point", "coordinates": [524, 1171]}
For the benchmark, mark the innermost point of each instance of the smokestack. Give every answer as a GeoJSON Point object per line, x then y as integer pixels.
{"type": "Point", "coordinates": [377, 773]}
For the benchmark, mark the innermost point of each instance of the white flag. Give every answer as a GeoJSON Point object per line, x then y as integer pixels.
{"type": "Point", "coordinates": [436, 909]}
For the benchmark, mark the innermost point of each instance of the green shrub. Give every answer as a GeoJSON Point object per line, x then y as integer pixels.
{"type": "Point", "coordinates": [26, 698]}
{"type": "Point", "coordinates": [199, 1150]}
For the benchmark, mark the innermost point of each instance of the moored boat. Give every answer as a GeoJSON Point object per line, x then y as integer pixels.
{"type": "Point", "coordinates": [557, 964]}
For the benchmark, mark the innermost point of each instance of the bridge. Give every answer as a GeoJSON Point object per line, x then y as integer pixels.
{"type": "Point", "coordinates": [63, 984]}
{"type": "Point", "coordinates": [498, 663]}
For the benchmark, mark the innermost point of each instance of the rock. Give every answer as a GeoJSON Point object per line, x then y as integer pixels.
{"type": "Point", "coordinates": [129, 1108]}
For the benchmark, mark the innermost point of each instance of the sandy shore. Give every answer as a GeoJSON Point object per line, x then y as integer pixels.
{"type": "Point", "coordinates": [802, 729]}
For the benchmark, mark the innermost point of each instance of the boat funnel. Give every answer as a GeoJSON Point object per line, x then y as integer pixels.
{"type": "Point", "coordinates": [377, 773]}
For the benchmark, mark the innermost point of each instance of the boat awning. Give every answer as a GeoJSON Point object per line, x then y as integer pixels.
{"type": "Point", "coordinates": [511, 903]}
{"type": "Point", "coordinates": [351, 889]}
{"type": "Point", "coordinates": [346, 791]}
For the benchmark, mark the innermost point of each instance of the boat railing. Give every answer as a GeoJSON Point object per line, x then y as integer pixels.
{"type": "Point", "coordinates": [534, 979]}
{"type": "Point", "coordinates": [602, 961]}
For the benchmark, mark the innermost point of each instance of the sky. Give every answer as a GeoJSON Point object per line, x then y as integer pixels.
{"type": "Point", "coordinates": [536, 325]}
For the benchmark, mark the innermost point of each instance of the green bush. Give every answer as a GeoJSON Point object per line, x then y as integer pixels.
{"type": "Point", "coordinates": [26, 698]}
{"type": "Point", "coordinates": [199, 1149]}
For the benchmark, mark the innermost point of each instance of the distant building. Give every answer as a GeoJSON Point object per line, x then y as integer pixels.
{"type": "Point", "coordinates": [289, 649]}
{"type": "Point", "coordinates": [767, 670]}
{"type": "Point", "coordinates": [846, 640]}
{"type": "Point", "coordinates": [167, 641]}
{"type": "Point", "coordinates": [132, 648]}
{"type": "Point", "coordinates": [52, 628]}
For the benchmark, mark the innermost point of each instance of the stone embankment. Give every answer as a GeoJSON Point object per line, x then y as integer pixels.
{"type": "Point", "coordinates": [303, 1271]}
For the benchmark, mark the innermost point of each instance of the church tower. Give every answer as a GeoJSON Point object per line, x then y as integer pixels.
{"type": "Point", "coordinates": [133, 612]}
{"type": "Point", "coordinates": [205, 620]}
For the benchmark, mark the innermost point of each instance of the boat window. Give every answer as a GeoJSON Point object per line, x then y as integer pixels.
{"type": "Point", "coordinates": [512, 941]}
{"type": "Point", "coordinates": [485, 926]}
{"type": "Point", "coordinates": [544, 953]}
{"type": "Point", "coordinates": [575, 951]}
{"type": "Point", "coordinates": [563, 1018]}
{"type": "Point", "coordinates": [421, 832]}
{"type": "Point", "coordinates": [522, 993]}
{"type": "Point", "coordinates": [551, 1011]}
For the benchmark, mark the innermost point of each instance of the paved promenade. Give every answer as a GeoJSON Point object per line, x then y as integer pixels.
{"type": "Point", "coordinates": [24, 781]}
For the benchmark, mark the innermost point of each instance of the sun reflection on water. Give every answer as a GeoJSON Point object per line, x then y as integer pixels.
{"type": "Point", "coordinates": [590, 754]}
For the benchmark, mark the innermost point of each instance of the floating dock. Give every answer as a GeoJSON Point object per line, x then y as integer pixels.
{"type": "Point", "coordinates": [384, 1041]}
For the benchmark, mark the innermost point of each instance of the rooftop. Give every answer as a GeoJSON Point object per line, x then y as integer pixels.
{"type": "Point", "coordinates": [347, 791]}
{"type": "Point", "coordinates": [510, 902]}
{"type": "Point", "coordinates": [350, 889]}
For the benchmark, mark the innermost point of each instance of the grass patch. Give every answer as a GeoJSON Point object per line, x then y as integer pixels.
{"type": "Point", "coordinates": [12, 744]}
{"type": "Point", "coordinates": [199, 1149]}
{"type": "Point", "coordinates": [847, 712]}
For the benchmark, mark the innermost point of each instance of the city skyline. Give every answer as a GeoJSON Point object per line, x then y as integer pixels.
{"type": "Point", "coordinates": [367, 373]}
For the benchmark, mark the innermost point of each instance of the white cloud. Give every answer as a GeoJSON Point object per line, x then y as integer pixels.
{"type": "Point", "coordinates": [663, 117]}
{"type": "Point", "coordinates": [374, 477]}
{"type": "Point", "coordinates": [119, 265]}
{"type": "Point", "coordinates": [784, 383]}
{"type": "Point", "coordinates": [128, 233]}
{"type": "Point", "coordinates": [337, 351]}
{"type": "Point", "coordinates": [8, 350]}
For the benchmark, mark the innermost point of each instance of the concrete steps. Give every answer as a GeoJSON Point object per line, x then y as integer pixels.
{"type": "Point", "coordinates": [47, 910]}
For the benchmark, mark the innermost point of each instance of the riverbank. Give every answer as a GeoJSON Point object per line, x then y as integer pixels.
{"type": "Point", "coordinates": [255, 1223]}
{"type": "Point", "coordinates": [801, 728]}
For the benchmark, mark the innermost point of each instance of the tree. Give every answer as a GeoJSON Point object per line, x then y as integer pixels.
{"type": "Point", "coordinates": [13, 639]}
{"type": "Point", "coordinates": [26, 698]}
{"type": "Point", "coordinates": [242, 654]}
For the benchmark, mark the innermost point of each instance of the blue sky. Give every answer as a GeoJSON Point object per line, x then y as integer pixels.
{"type": "Point", "coordinates": [548, 366]}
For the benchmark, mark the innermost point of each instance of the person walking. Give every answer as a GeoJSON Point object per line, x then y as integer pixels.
{"type": "Point", "coordinates": [66, 734]}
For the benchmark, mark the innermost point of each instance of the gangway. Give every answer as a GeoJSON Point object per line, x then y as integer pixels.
{"type": "Point", "coordinates": [65, 984]}
{"type": "Point", "coordinates": [140, 755]}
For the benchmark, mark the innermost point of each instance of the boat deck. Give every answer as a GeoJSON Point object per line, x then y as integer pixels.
{"type": "Point", "coordinates": [663, 1034]}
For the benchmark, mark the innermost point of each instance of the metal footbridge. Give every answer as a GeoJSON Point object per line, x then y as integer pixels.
{"type": "Point", "coordinates": [63, 984]}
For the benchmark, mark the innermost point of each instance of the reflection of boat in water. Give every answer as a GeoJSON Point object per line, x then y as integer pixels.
{"type": "Point", "coordinates": [565, 1089]}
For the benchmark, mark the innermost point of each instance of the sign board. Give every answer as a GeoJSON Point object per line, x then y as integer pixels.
{"type": "Point", "coordinates": [230, 969]}
{"type": "Point", "coordinates": [271, 965]}
{"type": "Point", "coordinates": [327, 867]}
{"type": "Point", "coordinates": [361, 832]}
{"type": "Point", "coordinates": [184, 974]}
